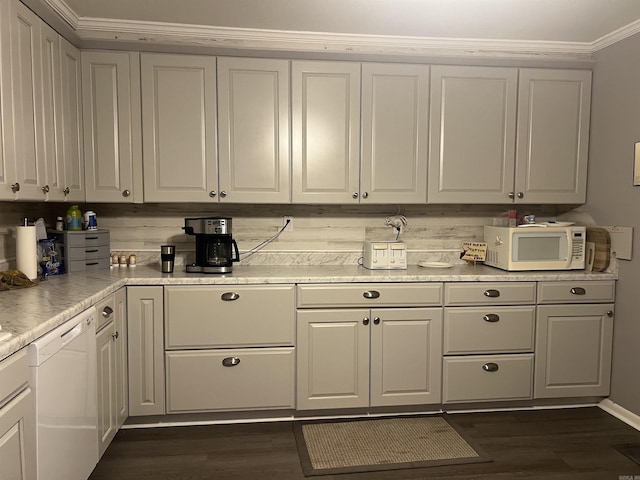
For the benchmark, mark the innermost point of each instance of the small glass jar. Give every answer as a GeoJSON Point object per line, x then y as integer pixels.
{"type": "Point", "coordinates": [132, 260]}
{"type": "Point", "coordinates": [59, 224]}
{"type": "Point", "coordinates": [123, 260]}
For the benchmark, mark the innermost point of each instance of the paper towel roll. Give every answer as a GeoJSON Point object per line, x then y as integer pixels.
{"type": "Point", "coordinates": [27, 251]}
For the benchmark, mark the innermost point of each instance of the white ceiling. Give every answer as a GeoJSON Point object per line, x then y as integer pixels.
{"type": "Point", "coordinates": [577, 27]}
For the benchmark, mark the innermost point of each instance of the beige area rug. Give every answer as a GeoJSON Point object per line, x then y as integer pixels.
{"type": "Point", "coordinates": [327, 448]}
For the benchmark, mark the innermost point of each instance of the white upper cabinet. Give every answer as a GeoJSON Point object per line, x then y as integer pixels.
{"type": "Point", "coordinates": [71, 122]}
{"type": "Point", "coordinates": [553, 135]}
{"type": "Point", "coordinates": [254, 126]}
{"type": "Point", "coordinates": [112, 126]}
{"type": "Point", "coordinates": [7, 162]}
{"type": "Point", "coordinates": [472, 131]}
{"type": "Point", "coordinates": [326, 132]}
{"type": "Point", "coordinates": [395, 110]}
{"type": "Point", "coordinates": [179, 128]}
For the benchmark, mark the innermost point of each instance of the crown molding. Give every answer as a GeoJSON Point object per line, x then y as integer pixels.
{"type": "Point", "coordinates": [616, 36]}
{"type": "Point", "coordinates": [65, 12]}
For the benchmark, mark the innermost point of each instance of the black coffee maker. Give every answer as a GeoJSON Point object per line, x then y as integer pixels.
{"type": "Point", "coordinates": [215, 249]}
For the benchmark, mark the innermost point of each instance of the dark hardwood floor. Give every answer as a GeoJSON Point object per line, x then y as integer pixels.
{"type": "Point", "coordinates": [563, 444]}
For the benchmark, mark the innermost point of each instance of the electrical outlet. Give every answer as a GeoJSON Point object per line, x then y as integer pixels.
{"type": "Point", "coordinates": [284, 222]}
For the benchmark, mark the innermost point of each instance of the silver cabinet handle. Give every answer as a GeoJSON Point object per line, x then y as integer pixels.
{"type": "Point", "coordinates": [610, 313]}
{"type": "Point", "coordinates": [230, 361]}
{"type": "Point", "coordinates": [511, 195]}
{"type": "Point", "coordinates": [107, 311]}
{"type": "Point", "coordinates": [490, 367]}
{"type": "Point", "coordinates": [355, 195]}
{"type": "Point", "coordinates": [66, 191]}
{"type": "Point", "coordinates": [520, 195]}
{"type": "Point", "coordinates": [45, 189]}
{"type": "Point", "coordinates": [365, 321]}
{"type": "Point", "coordinates": [223, 194]}
{"type": "Point", "coordinates": [15, 187]}
{"type": "Point", "coordinates": [230, 296]}
{"type": "Point", "coordinates": [115, 335]}
{"type": "Point", "coordinates": [578, 291]}
{"type": "Point", "coordinates": [126, 193]}
{"type": "Point", "coordinates": [492, 293]}
{"type": "Point", "coordinates": [371, 294]}
{"type": "Point", "coordinates": [376, 321]}
{"type": "Point", "coordinates": [212, 193]}
{"type": "Point", "coordinates": [365, 194]}
{"type": "Point", "coordinates": [491, 318]}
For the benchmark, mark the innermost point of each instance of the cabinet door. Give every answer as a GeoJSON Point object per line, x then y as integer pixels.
{"type": "Point", "coordinates": [179, 128]}
{"type": "Point", "coordinates": [406, 356]}
{"type": "Point", "coordinates": [553, 135]}
{"type": "Point", "coordinates": [71, 122]}
{"type": "Point", "coordinates": [146, 353]}
{"type": "Point", "coordinates": [18, 438]}
{"type": "Point", "coordinates": [326, 132]}
{"type": "Point", "coordinates": [106, 365]}
{"type": "Point", "coordinates": [112, 128]}
{"type": "Point", "coordinates": [253, 111]}
{"type": "Point", "coordinates": [472, 124]}
{"type": "Point", "coordinates": [121, 354]}
{"type": "Point", "coordinates": [333, 359]}
{"type": "Point", "coordinates": [27, 101]}
{"type": "Point", "coordinates": [395, 106]}
{"type": "Point", "coordinates": [573, 350]}
{"type": "Point", "coordinates": [7, 157]}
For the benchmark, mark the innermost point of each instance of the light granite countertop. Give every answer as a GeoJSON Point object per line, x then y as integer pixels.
{"type": "Point", "coordinates": [32, 312]}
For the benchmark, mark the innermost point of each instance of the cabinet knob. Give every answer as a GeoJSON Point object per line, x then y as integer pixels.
{"type": "Point", "coordinates": [520, 195]}
{"type": "Point", "coordinates": [365, 195]}
{"type": "Point", "coordinates": [213, 193]}
{"type": "Point", "coordinates": [491, 317]}
{"type": "Point", "coordinates": [45, 189]}
{"type": "Point", "coordinates": [355, 195]}
{"type": "Point", "coordinates": [230, 296]}
{"type": "Point", "coordinates": [230, 361]}
{"type": "Point", "coordinates": [115, 335]}
{"type": "Point", "coordinates": [371, 294]}
{"type": "Point", "coordinates": [66, 191]}
{"type": "Point", "coordinates": [365, 321]}
{"type": "Point", "coordinates": [376, 321]}
{"type": "Point", "coordinates": [610, 313]}
{"type": "Point", "coordinates": [126, 193]}
{"type": "Point", "coordinates": [223, 194]}
{"type": "Point", "coordinates": [107, 311]}
{"type": "Point", "coordinates": [511, 195]}
{"type": "Point", "coordinates": [15, 187]}
{"type": "Point", "coordinates": [578, 291]}
{"type": "Point", "coordinates": [490, 367]}
{"type": "Point", "coordinates": [492, 293]}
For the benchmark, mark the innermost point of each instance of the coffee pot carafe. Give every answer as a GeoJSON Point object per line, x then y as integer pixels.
{"type": "Point", "coordinates": [216, 250]}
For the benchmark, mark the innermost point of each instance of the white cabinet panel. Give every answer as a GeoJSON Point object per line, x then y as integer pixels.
{"type": "Point", "coordinates": [553, 135]}
{"type": "Point", "coordinates": [326, 132]}
{"type": "Point", "coordinates": [7, 162]}
{"type": "Point", "coordinates": [112, 126]}
{"type": "Point", "coordinates": [395, 106]}
{"type": "Point", "coordinates": [179, 127]}
{"type": "Point", "coordinates": [253, 115]}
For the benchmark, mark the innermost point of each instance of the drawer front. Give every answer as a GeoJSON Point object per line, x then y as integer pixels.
{"type": "Point", "coordinates": [576, 292]}
{"type": "Point", "coordinates": [87, 239]}
{"type": "Point", "coordinates": [105, 312]}
{"type": "Point", "coordinates": [489, 330]}
{"type": "Point", "coordinates": [466, 380]}
{"type": "Point", "coordinates": [374, 294]}
{"type": "Point", "coordinates": [259, 379]}
{"type": "Point", "coordinates": [500, 293]}
{"type": "Point", "coordinates": [72, 266]}
{"type": "Point", "coordinates": [86, 253]}
{"type": "Point", "coordinates": [256, 315]}
{"type": "Point", "coordinates": [14, 375]}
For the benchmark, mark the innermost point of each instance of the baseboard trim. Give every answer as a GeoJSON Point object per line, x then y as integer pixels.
{"type": "Point", "coordinates": [620, 413]}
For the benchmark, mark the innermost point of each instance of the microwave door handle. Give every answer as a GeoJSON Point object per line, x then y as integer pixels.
{"type": "Point", "coordinates": [569, 250]}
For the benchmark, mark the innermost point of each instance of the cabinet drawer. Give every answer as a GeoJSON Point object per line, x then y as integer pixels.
{"type": "Point", "coordinates": [502, 293]}
{"type": "Point", "coordinates": [262, 378]}
{"type": "Point", "coordinates": [105, 312]}
{"type": "Point", "coordinates": [14, 375]}
{"type": "Point", "coordinates": [374, 294]}
{"type": "Point", "coordinates": [86, 253]}
{"type": "Point", "coordinates": [229, 316]}
{"type": "Point", "coordinates": [466, 380]}
{"type": "Point", "coordinates": [73, 266]}
{"type": "Point", "coordinates": [576, 292]}
{"type": "Point", "coordinates": [489, 330]}
{"type": "Point", "coordinates": [87, 239]}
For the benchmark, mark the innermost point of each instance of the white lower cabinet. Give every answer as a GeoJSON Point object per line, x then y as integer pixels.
{"type": "Point", "coordinates": [111, 348]}
{"type": "Point", "coordinates": [17, 420]}
{"type": "Point", "coordinates": [360, 357]}
{"type": "Point", "coordinates": [229, 347]}
{"type": "Point", "coordinates": [489, 346]}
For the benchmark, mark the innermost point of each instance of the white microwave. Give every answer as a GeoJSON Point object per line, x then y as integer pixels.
{"type": "Point", "coordinates": [535, 247]}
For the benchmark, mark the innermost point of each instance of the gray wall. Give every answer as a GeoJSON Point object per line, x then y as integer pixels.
{"type": "Point", "coordinates": [613, 200]}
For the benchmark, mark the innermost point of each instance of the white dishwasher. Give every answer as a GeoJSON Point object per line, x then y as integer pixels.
{"type": "Point", "coordinates": [62, 365]}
